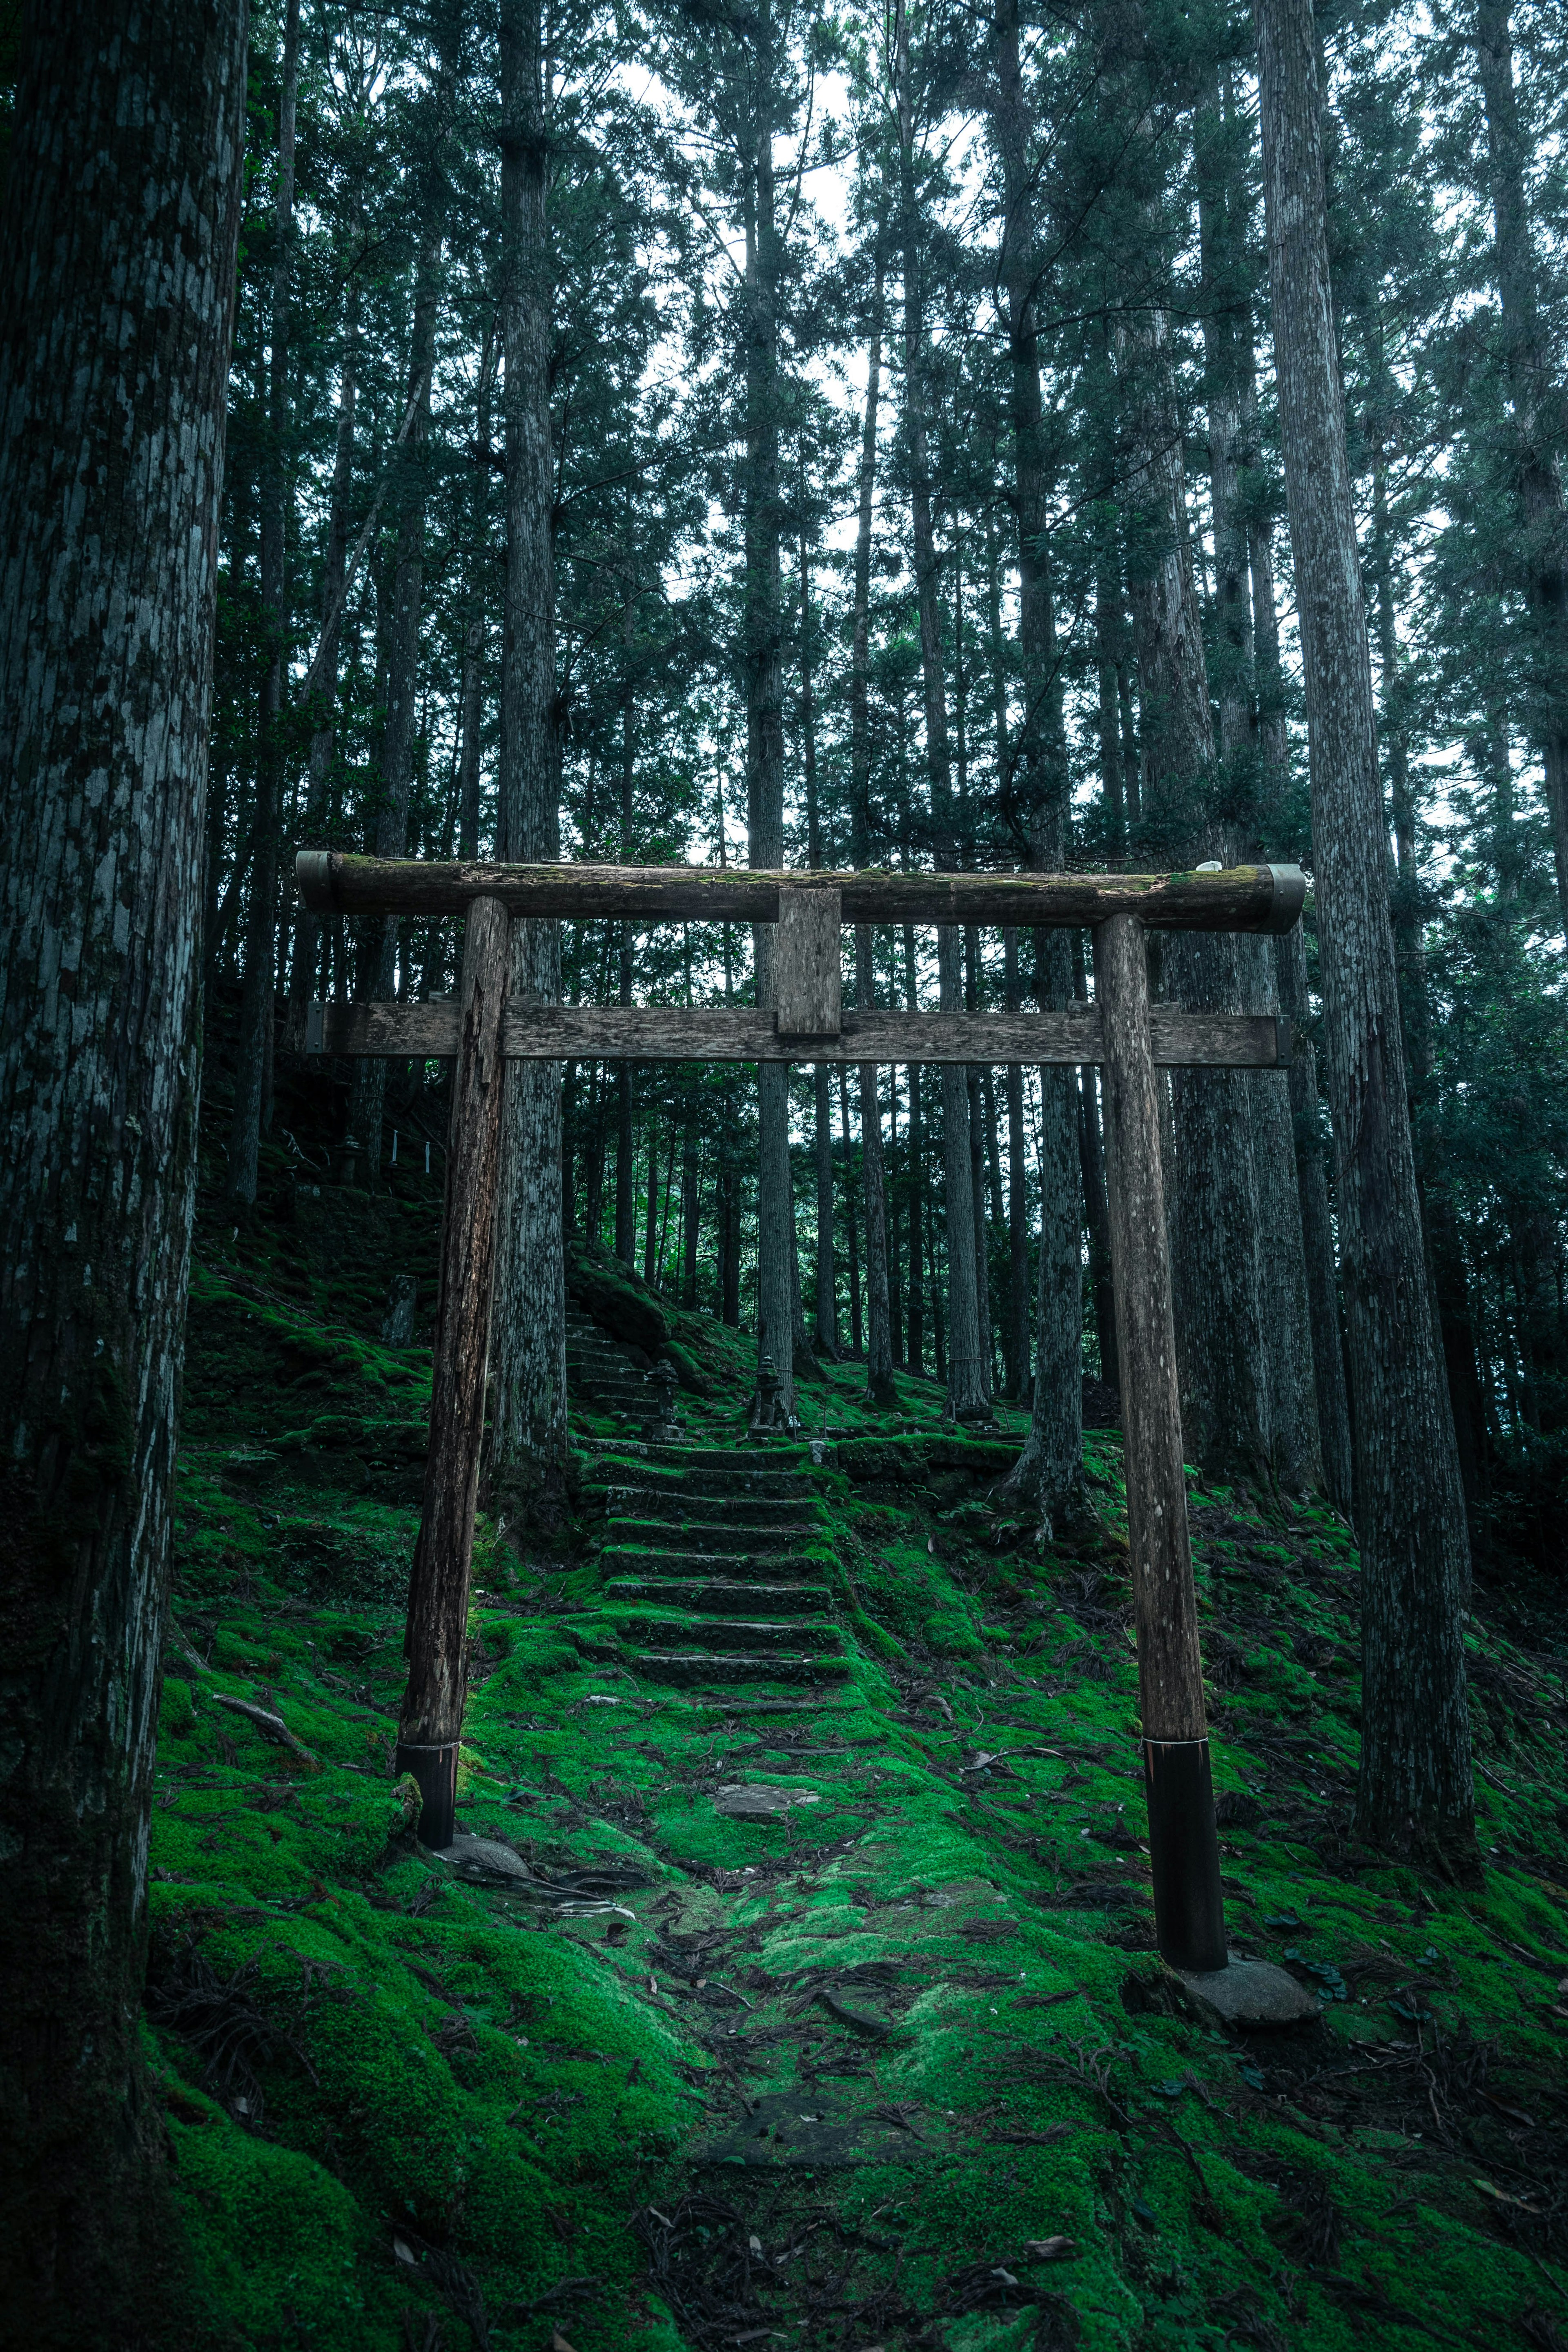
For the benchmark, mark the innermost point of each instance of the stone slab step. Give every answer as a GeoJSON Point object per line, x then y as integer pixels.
{"type": "Point", "coordinates": [731, 1457]}
{"type": "Point", "coordinates": [719, 1595]}
{"type": "Point", "coordinates": [701, 1666]}
{"type": "Point", "coordinates": [798, 1513]}
{"type": "Point", "coordinates": [714, 1485]}
{"type": "Point", "coordinates": [721, 1634]}
{"type": "Point", "coordinates": [620, 1559]}
{"type": "Point", "coordinates": [680, 1534]}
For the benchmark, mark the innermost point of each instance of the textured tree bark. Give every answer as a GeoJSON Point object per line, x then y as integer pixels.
{"type": "Point", "coordinates": [879, 1326]}
{"type": "Point", "coordinates": [1221, 143]}
{"type": "Point", "coordinates": [626, 1203]}
{"type": "Point", "coordinates": [1317, 1230]}
{"type": "Point", "coordinates": [827, 1299]}
{"type": "Point", "coordinates": [1184, 1850]}
{"type": "Point", "coordinates": [851, 1226]}
{"type": "Point", "coordinates": [1097, 1216]}
{"type": "Point", "coordinates": [1531, 371]}
{"type": "Point", "coordinates": [411, 492]}
{"type": "Point", "coordinates": [1051, 1469]}
{"type": "Point", "coordinates": [1020, 1355]}
{"type": "Point", "coordinates": [1214, 1194]}
{"type": "Point", "coordinates": [530, 1452]}
{"type": "Point", "coordinates": [966, 1388]}
{"type": "Point", "coordinates": [122, 202]}
{"type": "Point", "coordinates": [436, 1639]}
{"type": "Point", "coordinates": [1295, 1449]}
{"type": "Point", "coordinates": [690, 1207]}
{"type": "Point", "coordinates": [1415, 1792]}
{"type": "Point", "coordinates": [256, 1003]}
{"type": "Point", "coordinates": [763, 657]}
{"type": "Point", "coordinates": [307, 926]}
{"type": "Point", "coordinates": [473, 685]}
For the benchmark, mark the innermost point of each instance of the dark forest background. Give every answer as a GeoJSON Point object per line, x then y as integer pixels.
{"type": "Point", "coordinates": [703, 326]}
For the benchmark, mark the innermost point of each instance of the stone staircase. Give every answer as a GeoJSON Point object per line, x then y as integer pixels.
{"type": "Point", "coordinates": [708, 1575]}
{"type": "Point", "coordinates": [601, 1376]}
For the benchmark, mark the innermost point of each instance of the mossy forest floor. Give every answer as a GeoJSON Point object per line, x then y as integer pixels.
{"type": "Point", "coordinates": [897, 2066]}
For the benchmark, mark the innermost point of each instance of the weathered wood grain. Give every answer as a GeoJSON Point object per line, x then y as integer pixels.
{"type": "Point", "coordinates": [435, 1643]}
{"type": "Point", "coordinates": [1183, 1851]}
{"type": "Point", "coordinates": [1245, 898]}
{"type": "Point", "coordinates": [659, 1033]}
{"type": "Point", "coordinates": [807, 990]}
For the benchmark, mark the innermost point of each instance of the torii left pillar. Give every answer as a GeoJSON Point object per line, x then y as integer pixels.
{"type": "Point", "coordinates": [435, 1642]}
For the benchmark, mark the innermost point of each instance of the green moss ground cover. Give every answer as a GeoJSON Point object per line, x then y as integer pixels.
{"type": "Point", "coordinates": [895, 2066]}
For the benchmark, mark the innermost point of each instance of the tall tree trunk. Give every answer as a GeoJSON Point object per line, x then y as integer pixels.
{"type": "Point", "coordinates": [651, 1201]}
{"type": "Point", "coordinates": [914, 1186]}
{"type": "Point", "coordinates": [1317, 1230]}
{"type": "Point", "coordinates": [1212, 1192]}
{"type": "Point", "coordinates": [1096, 1201]}
{"type": "Point", "coordinates": [826, 1299]}
{"type": "Point", "coordinates": [1531, 373]}
{"type": "Point", "coordinates": [1222, 146]}
{"type": "Point", "coordinates": [763, 658]}
{"type": "Point", "coordinates": [966, 1396]}
{"type": "Point", "coordinates": [1273, 747]}
{"type": "Point", "coordinates": [473, 683]}
{"type": "Point", "coordinates": [1020, 1354]}
{"type": "Point", "coordinates": [122, 202]}
{"type": "Point", "coordinates": [690, 1205]}
{"type": "Point", "coordinates": [318, 791]}
{"type": "Point", "coordinates": [851, 1229]}
{"type": "Point", "coordinates": [879, 1327]}
{"type": "Point", "coordinates": [1049, 1471]}
{"type": "Point", "coordinates": [529, 1326]}
{"type": "Point", "coordinates": [256, 1003]}
{"type": "Point", "coordinates": [1415, 1792]}
{"type": "Point", "coordinates": [625, 1201]}
{"type": "Point", "coordinates": [368, 1090]}
{"type": "Point", "coordinates": [824, 1318]}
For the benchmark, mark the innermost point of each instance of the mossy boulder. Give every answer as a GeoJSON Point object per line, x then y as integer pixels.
{"type": "Point", "coordinates": [620, 1304]}
{"type": "Point", "coordinates": [903, 1461]}
{"type": "Point", "coordinates": [631, 1314]}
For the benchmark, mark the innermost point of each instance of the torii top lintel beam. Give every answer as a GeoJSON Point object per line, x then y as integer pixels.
{"type": "Point", "coordinates": [1240, 898]}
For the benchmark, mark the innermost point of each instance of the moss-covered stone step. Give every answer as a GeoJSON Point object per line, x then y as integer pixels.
{"type": "Point", "coordinates": [700, 1665]}
{"type": "Point", "coordinates": [681, 1534]}
{"type": "Point", "coordinates": [667, 1504]}
{"type": "Point", "coordinates": [601, 1480]}
{"type": "Point", "coordinates": [722, 1595]}
{"type": "Point", "coordinates": [730, 1457]}
{"type": "Point", "coordinates": [620, 1557]}
{"type": "Point", "coordinates": [726, 1633]}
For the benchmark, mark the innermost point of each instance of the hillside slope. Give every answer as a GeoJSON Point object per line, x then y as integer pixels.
{"type": "Point", "coordinates": [892, 2063]}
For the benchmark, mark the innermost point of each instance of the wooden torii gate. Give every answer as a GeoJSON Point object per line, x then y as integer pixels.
{"type": "Point", "coordinates": [1121, 1033]}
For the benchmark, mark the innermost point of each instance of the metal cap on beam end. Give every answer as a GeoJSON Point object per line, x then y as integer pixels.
{"type": "Point", "coordinates": [1289, 898]}
{"type": "Point", "coordinates": [313, 881]}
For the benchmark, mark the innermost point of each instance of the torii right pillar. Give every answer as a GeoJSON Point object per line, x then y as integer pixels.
{"type": "Point", "coordinates": [1183, 1846]}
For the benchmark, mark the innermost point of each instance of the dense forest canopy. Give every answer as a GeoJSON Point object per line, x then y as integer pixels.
{"type": "Point", "coordinates": [724, 496]}
{"type": "Point", "coordinates": [1122, 440]}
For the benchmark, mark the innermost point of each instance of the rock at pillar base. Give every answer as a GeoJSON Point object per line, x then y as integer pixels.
{"type": "Point", "coordinates": [1251, 1992]}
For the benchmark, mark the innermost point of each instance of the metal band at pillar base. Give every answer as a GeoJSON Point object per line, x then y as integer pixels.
{"type": "Point", "coordinates": [436, 1769]}
{"type": "Point", "coordinates": [1183, 1854]}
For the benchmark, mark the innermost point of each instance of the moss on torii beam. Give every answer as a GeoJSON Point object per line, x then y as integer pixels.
{"type": "Point", "coordinates": [1242, 899]}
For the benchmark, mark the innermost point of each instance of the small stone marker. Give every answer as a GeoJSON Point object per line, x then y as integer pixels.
{"type": "Point", "coordinates": [755, 1801]}
{"type": "Point", "coordinates": [1251, 1992]}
